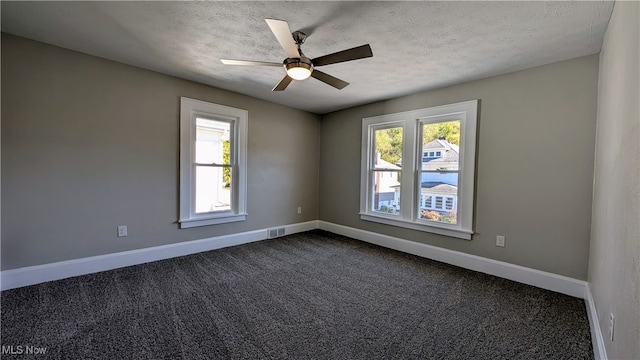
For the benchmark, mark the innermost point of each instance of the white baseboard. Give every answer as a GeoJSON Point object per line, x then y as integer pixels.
{"type": "Point", "coordinates": [31, 275]}
{"type": "Point", "coordinates": [10, 279]}
{"type": "Point", "coordinates": [541, 279]}
{"type": "Point", "coordinates": [599, 351]}
{"type": "Point", "coordinates": [301, 227]}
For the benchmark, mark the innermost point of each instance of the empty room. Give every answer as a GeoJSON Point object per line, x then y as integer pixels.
{"type": "Point", "coordinates": [320, 180]}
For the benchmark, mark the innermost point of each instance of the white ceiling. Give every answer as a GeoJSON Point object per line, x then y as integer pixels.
{"type": "Point", "coordinates": [416, 45]}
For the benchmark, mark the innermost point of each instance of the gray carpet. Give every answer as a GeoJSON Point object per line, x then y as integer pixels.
{"type": "Point", "coordinates": [313, 295]}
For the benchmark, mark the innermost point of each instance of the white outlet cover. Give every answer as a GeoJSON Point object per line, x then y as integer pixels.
{"type": "Point", "coordinates": [122, 230]}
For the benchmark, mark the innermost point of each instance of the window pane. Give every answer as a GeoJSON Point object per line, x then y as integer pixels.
{"type": "Point", "coordinates": [212, 142]}
{"type": "Point", "coordinates": [387, 148]}
{"type": "Point", "coordinates": [213, 193]}
{"type": "Point", "coordinates": [441, 146]}
{"type": "Point", "coordinates": [439, 194]}
{"type": "Point", "coordinates": [439, 190]}
{"type": "Point", "coordinates": [386, 192]}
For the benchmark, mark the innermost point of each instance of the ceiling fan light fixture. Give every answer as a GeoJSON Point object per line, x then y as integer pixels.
{"type": "Point", "coordinates": [298, 68]}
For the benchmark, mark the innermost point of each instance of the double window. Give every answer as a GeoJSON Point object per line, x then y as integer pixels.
{"type": "Point", "coordinates": [418, 169]}
{"type": "Point", "coordinates": [212, 163]}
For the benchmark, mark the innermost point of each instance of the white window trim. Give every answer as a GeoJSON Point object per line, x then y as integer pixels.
{"type": "Point", "coordinates": [466, 112]}
{"type": "Point", "coordinates": [189, 110]}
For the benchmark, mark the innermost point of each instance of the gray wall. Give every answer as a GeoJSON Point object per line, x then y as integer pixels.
{"type": "Point", "coordinates": [614, 263]}
{"type": "Point", "coordinates": [89, 144]}
{"type": "Point", "coordinates": [534, 167]}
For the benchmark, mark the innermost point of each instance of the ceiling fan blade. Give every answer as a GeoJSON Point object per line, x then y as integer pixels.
{"type": "Point", "coordinates": [329, 80]}
{"type": "Point", "coordinates": [249, 63]}
{"type": "Point", "coordinates": [283, 83]}
{"type": "Point", "coordinates": [282, 33]}
{"type": "Point", "coordinates": [355, 53]}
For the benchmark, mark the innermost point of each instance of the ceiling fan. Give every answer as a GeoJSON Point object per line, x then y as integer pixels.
{"type": "Point", "coordinates": [297, 65]}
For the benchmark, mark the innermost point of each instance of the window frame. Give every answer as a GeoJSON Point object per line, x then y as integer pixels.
{"type": "Point", "coordinates": [410, 189]}
{"type": "Point", "coordinates": [190, 110]}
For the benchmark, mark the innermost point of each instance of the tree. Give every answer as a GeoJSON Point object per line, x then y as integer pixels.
{"type": "Point", "coordinates": [389, 144]}
{"type": "Point", "coordinates": [226, 159]}
{"type": "Point", "coordinates": [449, 130]}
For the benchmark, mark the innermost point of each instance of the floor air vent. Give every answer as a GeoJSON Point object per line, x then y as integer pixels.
{"type": "Point", "coordinates": [276, 232]}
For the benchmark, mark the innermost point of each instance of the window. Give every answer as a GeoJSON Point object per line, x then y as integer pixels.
{"type": "Point", "coordinates": [427, 157]}
{"type": "Point", "coordinates": [449, 203]}
{"type": "Point", "coordinates": [213, 176]}
{"type": "Point", "coordinates": [438, 202]}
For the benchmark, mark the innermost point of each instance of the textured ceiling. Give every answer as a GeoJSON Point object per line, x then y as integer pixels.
{"type": "Point", "coordinates": [416, 45]}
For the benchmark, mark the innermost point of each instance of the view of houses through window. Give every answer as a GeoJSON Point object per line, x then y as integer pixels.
{"type": "Point", "coordinates": [438, 171]}
{"type": "Point", "coordinates": [386, 170]}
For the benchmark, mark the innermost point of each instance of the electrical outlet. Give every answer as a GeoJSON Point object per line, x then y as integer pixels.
{"type": "Point", "coordinates": [611, 322]}
{"type": "Point", "coordinates": [122, 230]}
{"type": "Point", "coordinates": [299, 210]}
{"type": "Point", "coordinates": [500, 240]}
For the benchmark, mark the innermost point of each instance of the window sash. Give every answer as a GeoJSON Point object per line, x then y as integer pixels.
{"type": "Point", "coordinates": [233, 175]}
{"type": "Point", "coordinates": [373, 191]}
{"type": "Point", "coordinates": [419, 185]}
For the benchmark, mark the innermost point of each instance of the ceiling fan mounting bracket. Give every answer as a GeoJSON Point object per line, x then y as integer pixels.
{"type": "Point", "coordinates": [299, 37]}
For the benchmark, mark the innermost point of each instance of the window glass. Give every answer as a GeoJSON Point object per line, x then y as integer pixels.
{"type": "Point", "coordinates": [386, 192]}
{"type": "Point", "coordinates": [440, 174]}
{"type": "Point", "coordinates": [387, 147]}
{"type": "Point", "coordinates": [212, 162]}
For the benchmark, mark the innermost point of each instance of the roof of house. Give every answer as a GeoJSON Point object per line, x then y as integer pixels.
{"type": "Point", "coordinates": [439, 187]}
{"type": "Point", "coordinates": [451, 151]}
{"type": "Point", "coordinates": [382, 164]}
{"type": "Point", "coordinates": [440, 144]}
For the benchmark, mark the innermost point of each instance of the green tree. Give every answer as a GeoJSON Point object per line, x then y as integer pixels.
{"type": "Point", "coordinates": [450, 130]}
{"type": "Point", "coordinates": [389, 144]}
{"type": "Point", "coordinates": [226, 159]}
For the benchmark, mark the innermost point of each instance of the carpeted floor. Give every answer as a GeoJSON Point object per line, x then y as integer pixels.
{"type": "Point", "coordinates": [312, 295]}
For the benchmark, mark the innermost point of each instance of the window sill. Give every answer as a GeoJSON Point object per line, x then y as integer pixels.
{"type": "Point", "coordinates": [457, 233]}
{"type": "Point", "coordinates": [195, 222]}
